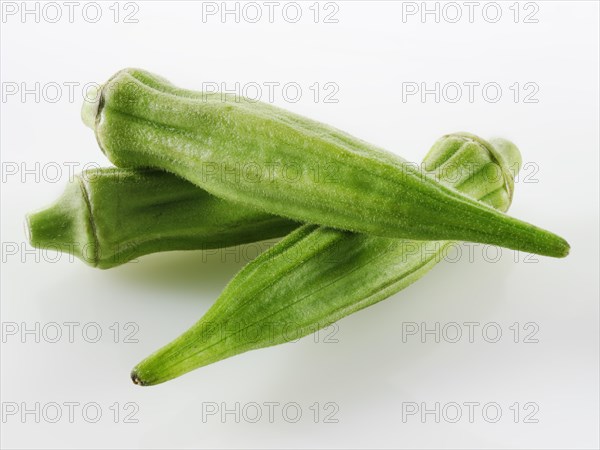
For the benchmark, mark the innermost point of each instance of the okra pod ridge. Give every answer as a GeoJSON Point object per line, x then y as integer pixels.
{"type": "Point", "coordinates": [242, 151]}
{"type": "Point", "coordinates": [318, 275]}
{"type": "Point", "coordinates": [108, 217]}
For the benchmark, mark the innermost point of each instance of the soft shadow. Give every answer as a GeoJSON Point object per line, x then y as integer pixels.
{"type": "Point", "coordinates": [370, 341]}
{"type": "Point", "coordinates": [191, 270]}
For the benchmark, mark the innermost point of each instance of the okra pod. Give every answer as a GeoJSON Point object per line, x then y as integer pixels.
{"type": "Point", "coordinates": [317, 275]}
{"type": "Point", "coordinates": [107, 217]}
{"type": "Point", "coordinates": [262, 156]}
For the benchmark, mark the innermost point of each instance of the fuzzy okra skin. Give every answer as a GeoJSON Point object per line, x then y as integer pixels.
{"type": "Point", "coordinates": [107, 217]}
{"type": "Point", "coordinates": [262, 156]}
{"type": "Point", "coordinates": [317, 275]}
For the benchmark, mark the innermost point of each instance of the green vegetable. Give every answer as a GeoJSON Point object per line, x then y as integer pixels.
{"type": "Point", "coordinates": [284, 164]}
{"type": "Point", "coordinates": [317, 275]}
{"type": "Point", "coordinates": [108, 217]}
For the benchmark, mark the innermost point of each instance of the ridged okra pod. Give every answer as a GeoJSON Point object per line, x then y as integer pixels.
{"type": "Point", "coordinates": [317, 275]}
{"type": "Point", "coordinates": [107, 217]}
{"type": "Point", "coordinates": [287, 165]}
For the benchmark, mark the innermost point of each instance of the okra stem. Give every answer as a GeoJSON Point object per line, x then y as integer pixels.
{"type": "Point", "coordinates": [107, 217]}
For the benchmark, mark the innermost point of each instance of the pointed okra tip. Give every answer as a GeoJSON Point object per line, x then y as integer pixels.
{"type": "Point", "coordinates": [151, 371]}
{"type": "Point", "coordinates": [144, 377]}
{"type": "Point", "coordinates": [509, 158]}
{"type": "Point", "coordinates": [136, 379]}
{"type": "Point", "coordinates": [506, 156]}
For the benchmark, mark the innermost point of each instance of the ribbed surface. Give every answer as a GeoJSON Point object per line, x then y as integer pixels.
{"type": "Point", "coordinates": [144, 122]}
{"type": "Point", "coordinates": [314, 277]}
{"type": "Point", "coordinates": [108, 217]}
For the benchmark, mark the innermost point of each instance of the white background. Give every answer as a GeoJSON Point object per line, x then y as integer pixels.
{"type": "Point", "coordinates": [369, 373]}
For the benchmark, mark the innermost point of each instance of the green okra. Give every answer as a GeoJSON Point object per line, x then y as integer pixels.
{"type": "Point", "coordinates": [107, 217]}
{"type": "Point", "coordinates": [317, 275]}
{"type": "Point", "coordinates": [262, 156]}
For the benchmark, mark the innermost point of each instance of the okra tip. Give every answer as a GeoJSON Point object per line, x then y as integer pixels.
{"type": "Point", "coordinates": [564, 248]}
{"type": "Point", "coordinates": [136, 379]}
{"type": "Point", "coordinates": [509, 159]}
{"type": "Point", "coordinates": [140, 379]}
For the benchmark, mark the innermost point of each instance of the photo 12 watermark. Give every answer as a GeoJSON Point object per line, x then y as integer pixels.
{"type": "Point", "coordinates": [269, 12]}
{"type": "Point", "coordinates": [45, 172]}
{"type": "Point", "coordinates": [470, 332]}
{"type": "Point", "coordinates": [70, 12]}
{"type": "Point", "coordinates": [470, 92]}
{"type": "Point", "coordinates": [69, 332]}
{"type": "Point", "coordinates": [70, 412]}
{"type": "Point", "coordinates": [270, 331]}
{"type": "Point", "coordinates": [470, 12]}
{"type": "Point", "coordinates": [270, 412]}
{"type": "Point", "coordinates": [470, 412]}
